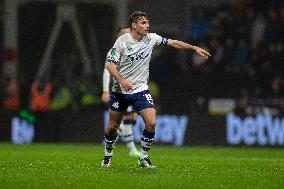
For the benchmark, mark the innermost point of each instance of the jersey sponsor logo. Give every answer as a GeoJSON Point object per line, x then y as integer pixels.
{"type": "Point", "coordinates": [137, 57]}
{"type": "Point", "coordinates": [115, 105]}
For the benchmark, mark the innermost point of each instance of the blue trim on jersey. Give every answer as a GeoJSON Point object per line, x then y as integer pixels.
{"type": "Point", "coordinates": [164, 41]}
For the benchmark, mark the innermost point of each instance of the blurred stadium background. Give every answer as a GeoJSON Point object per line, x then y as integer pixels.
{"type": "Point", "coordinates": [234, 98]}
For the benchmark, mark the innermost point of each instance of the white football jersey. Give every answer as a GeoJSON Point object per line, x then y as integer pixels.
{"type": "Point", "coordinates": [132, 58]}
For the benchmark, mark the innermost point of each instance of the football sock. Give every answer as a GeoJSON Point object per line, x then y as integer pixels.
{"type": "Point", "coordinates": [146, 142]}
{"type": "Point", "coordinates": [127, 134]}
{"type": "Point", "coordinates": [109, 141]}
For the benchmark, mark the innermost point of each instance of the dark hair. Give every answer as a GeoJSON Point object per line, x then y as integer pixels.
{"type": "Point", "coordinates": [136, 15]}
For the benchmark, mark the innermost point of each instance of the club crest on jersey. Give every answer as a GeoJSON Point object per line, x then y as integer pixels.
{"type": "Point", "coordinates": [115, 105]}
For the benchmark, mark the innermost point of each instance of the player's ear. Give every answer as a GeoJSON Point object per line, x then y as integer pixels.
{"type": "Point", "coordinates": [133, 25]}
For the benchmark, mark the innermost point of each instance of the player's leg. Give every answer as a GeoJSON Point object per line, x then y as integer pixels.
{"type": "Point", "coordinates": [117, 105]}
{"type": "Point", "coordinates": [111, 131]}
{"type": "Point", "coordinates": [126, 131]}
{"type": "Point", "coordinates": [149, 116]}
{"type": "Point", "coordinates": [110, 136]}
{"type": "Point", "coordinates": [144, 104]}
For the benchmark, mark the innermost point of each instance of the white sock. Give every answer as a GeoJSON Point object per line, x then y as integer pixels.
{"type": "Point", "coordinates": [131, 146]}
{"type": "Point", "coordinates": [127, 136]}
{"type": "Point", "coordinates": [144, 154]}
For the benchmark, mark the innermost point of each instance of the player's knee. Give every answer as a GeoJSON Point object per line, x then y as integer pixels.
{"type": "Point", "coordinates": [111, 131]}
{"type": "Point", "coordinates": [150, 126]}
{"type": "Point", "coordinates": [112, 128]}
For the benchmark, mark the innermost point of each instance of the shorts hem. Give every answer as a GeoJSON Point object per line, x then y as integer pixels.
{"type": "Point", "coordinates": [116, 110]}
{"type": "Point", "coordinates": [143, 108]}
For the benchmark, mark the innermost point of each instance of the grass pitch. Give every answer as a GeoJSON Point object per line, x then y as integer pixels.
{"type": "Point", "coordinates": [78, 166]}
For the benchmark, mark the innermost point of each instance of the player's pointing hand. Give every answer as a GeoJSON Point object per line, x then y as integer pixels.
{"type": "Point", "coordinates": [202, 52]}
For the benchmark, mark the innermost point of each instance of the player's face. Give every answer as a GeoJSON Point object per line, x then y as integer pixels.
{"type": "Point", "coordinates": [142, 26]}
{"type": "Point", "coordinates": [123, 31]}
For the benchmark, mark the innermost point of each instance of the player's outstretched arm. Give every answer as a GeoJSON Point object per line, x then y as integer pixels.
{"type": "Point", "coordinates": [125, 84]}
{"type": "Point", "coordinates": [182, 45]}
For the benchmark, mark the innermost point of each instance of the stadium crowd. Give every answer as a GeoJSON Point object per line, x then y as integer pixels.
{"type": "Point", "coordinates": [246, 41]}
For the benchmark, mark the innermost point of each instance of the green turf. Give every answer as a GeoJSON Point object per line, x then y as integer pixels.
{"type": "Point", "coordinates": [78, 166]}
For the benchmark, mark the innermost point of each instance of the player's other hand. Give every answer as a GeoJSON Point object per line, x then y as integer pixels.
{"type": "Point", "coordinates": [125, 84]}
{"type": "Point", "coordinates": [105, 97]}
{"type": "Point", "coordinates": [202, 52]}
